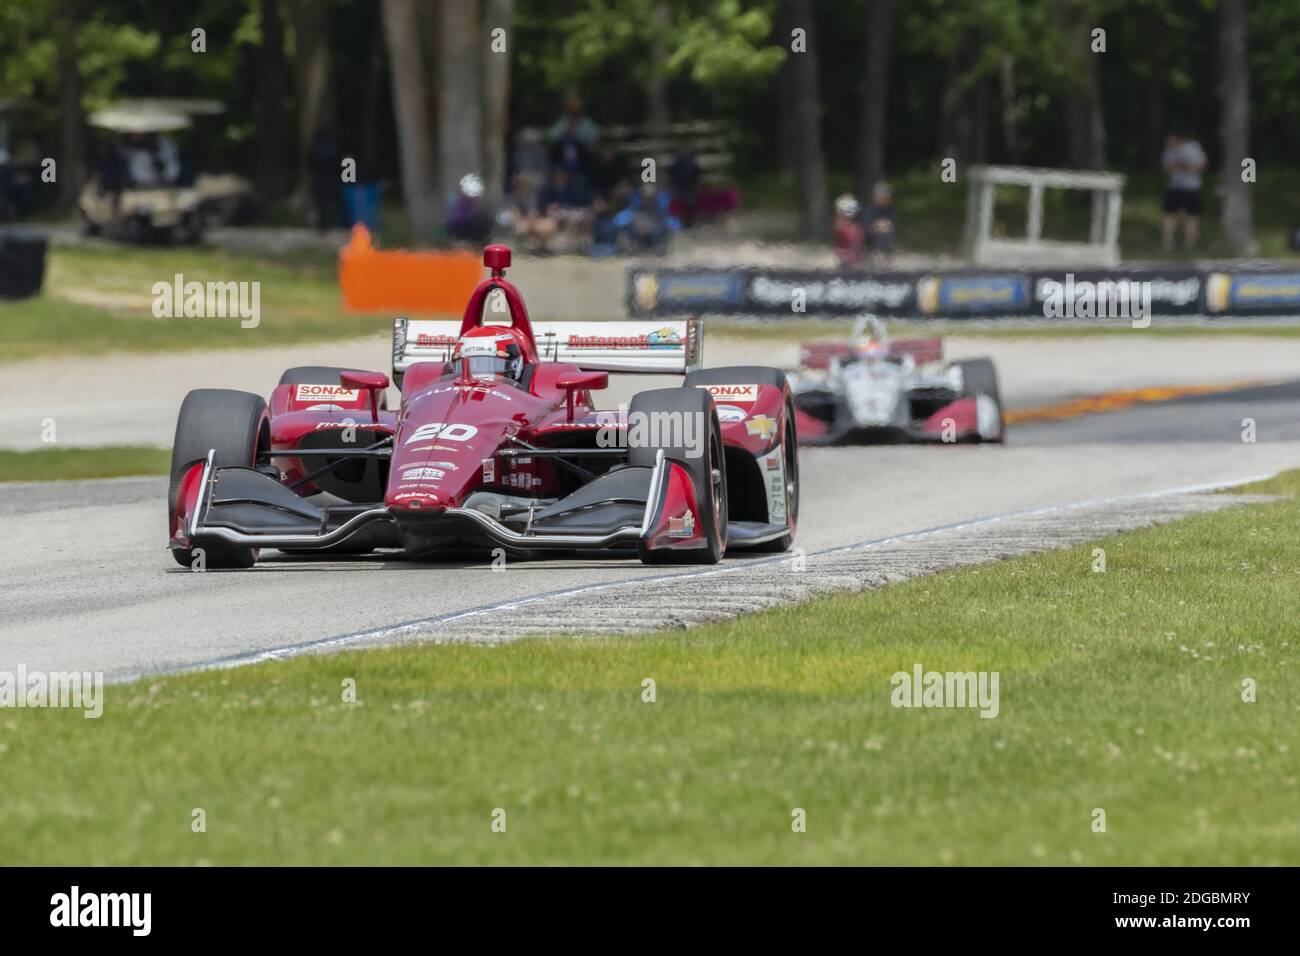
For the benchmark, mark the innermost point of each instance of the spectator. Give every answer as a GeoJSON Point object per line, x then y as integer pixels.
{"type": "Point", "coordinates": [604, 227]}
{"type": "Point", "coordinates": [575, 125]}
{"type": "Point", "coordinates": [529, 156]}
{"type": "Point", "coordinates": [469, 219]}
{"type": "Point", "coordinates": [848, 232]}
{"type": "Point", "coordinates": [645, 224]}
{"type": "Point", "coordinates": [1184, 161]}
{"type": "Point", "coordinates": [608, 171]}
{"type": "Point", "coordinates": [684, 177]}
{"type": "Point", "coordinates": [139, 155]}
{"type": "Point", "coordinates": [572, 140]}
{"type": "Point", "coordinates": [326, 179]}
{"type": "Point", "coordinates": [880, 223]}
{"type": "Point", "coordinates": [566, 201]}
{"type": "Point", "coordinates": [168, 159]}
{"type": "Point", "coordinates": [523, 216]}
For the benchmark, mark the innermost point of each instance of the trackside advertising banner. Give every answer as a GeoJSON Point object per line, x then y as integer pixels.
{"type": "Point", "coordinates": [963, 294]}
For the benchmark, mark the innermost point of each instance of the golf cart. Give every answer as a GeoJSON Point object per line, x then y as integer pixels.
{"type": "Point", "coordinates": [225, 199]}
{"type": "Point", "coordinates": [134, 190]}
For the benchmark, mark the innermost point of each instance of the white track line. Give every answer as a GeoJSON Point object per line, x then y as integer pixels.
{"type": "Point", "coordinates": [415, 626]}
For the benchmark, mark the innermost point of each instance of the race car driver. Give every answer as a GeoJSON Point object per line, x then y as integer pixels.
{"type": "Point", "coordinates": [492, 350]}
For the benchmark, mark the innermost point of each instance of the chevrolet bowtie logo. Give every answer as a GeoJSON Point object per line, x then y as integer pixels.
{"type": "Point", "coordinates": [762, 426]}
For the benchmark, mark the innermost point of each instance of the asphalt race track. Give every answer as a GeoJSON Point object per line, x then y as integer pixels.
{"type": "Point", "coordinates": [88, 585]}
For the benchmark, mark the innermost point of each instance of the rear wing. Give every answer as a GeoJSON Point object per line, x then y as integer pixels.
{"type": "Point", "coordinates": [664, 347]}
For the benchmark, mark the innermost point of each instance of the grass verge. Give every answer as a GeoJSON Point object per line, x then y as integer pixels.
{"type": "Point", "coordinates": [99, 299]}
{"type": "Point", "coordinates": [1119, 690]}
{"type": "Point", "coordinates": [65, 464]}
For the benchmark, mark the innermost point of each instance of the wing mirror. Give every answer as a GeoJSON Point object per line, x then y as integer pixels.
{"type": "Point", "coordinates": [577, 381]}
{"type": "Point", "coordinates": [372, 382]}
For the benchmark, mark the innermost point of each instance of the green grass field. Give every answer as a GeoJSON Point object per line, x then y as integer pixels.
{"type": "Point", "coordinates": [1119, 690]}
{"type": "Point", "coordinates": [99, 299]}
{"type": "Point", "coordinates": [62, 464]}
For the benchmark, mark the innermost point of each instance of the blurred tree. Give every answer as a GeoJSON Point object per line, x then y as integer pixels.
{"type": "Point", "coordinates": [810, 163]}
{"type": "Point", "coordinates": [1234, 71]}
{"type": "Point", "coordinates": [874, 98]}
{"type": "Point", "coordinates": [415, 146]}
{"type": "Point", "coordinates": [719, 46]}
{"type": "Point", "coordinates": [60, 59]}
{"type": "Point", "coordinates": [272, 73]}
{"type": "Point", "coordinates": [496, 95]}
{"type": "Point", "coordinates": [1085, 122]}
{"type": "Point", "coordinates": [312, 84]}
{"type": "Point", "coordinates": [460, 93]}
{"type": "Point", "coordinates": [73, 121]}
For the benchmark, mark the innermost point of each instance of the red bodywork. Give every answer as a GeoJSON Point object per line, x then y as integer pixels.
{"type": "Point", "coordinates": [455, 435]}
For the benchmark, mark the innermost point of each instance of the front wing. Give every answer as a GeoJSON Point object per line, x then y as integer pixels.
{"type": "Point", "coordinates": [245, 507]}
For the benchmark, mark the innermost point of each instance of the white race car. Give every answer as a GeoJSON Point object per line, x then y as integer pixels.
{"type": "Point", "coordinates": [875, 389]}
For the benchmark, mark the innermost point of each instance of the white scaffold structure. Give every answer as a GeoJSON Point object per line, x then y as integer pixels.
{"type": "Point", "coordinates": [1102, 247]}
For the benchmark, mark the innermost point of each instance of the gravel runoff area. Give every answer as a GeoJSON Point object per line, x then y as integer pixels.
{"type": "Point", "coordinates": [692, 598]}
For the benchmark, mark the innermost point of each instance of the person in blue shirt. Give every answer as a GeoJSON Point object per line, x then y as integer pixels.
{"type": "Point", "coordinates": [645, 222]}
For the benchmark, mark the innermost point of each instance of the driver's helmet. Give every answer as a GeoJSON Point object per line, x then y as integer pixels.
{"type": "Point", "coordinates": [491, 350]}
{"type": "Point", "coordinates": [870, 349]}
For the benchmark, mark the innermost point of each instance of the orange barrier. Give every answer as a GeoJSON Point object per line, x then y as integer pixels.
{"type": "Point", "coordinates": [436, 283]}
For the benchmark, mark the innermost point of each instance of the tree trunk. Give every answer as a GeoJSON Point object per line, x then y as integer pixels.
{"type": "Point", "coordinates": [787, 140]}
{"type": "Point", "coordinates": [658, 114]}
{"type": "Point", "coordinates": [1096, 117]}
{"type": "Point", "coordinates": [315, 106]}
{"type": "Point", "coordinates": [954, 121]}
{"type": "Point", "coordinates": [1155, 106]}
{"type": "Point", "coordinates": [411, 112]}
{"type": "Point", "coordinates": [71, 167]}
{"type": "Point", "coordinates": [979, 108]}
{"type": "Point", "coordinates": [496, 98]}
{"type": "Point", "coordinates": [1010, 129]}
{"type": "Point", "coordinates": [810, 162]}
{"type": "Point", "coordinates": [1238, 228]}
{"type": "Point", "coordinates": [271, 85]}
{"type": "Point", "coordinates": [874, 99]}
{"type": "Point", "coordinates": [460, 94]}
{"type": "Point", "coordinates": [1085, 132]}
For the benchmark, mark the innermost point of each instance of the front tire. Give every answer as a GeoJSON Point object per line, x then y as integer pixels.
{"type": "Point", "coordinates": [980, 377]}
{"type": "Point", "coordinates": [790, 449]}
{"type": "Point", "coordinates": [236, 426]}
{"type": "Point", "coordinates": [707, 468]}
{"type": "Point", "coordinates": [765, 375]}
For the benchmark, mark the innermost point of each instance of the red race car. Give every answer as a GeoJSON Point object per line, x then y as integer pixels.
{"type": "Point", "coordinates": [496, 444]}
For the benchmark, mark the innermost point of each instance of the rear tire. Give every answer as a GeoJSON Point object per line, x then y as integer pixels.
{"type": "Point", "coordinates": [708, 471]}
{"type": "Point", "coordinates": [312, 375]}
{"type": "Point", "coordinates": [737, 375]}
{"type": "Point", "coordinates": [234, 425]}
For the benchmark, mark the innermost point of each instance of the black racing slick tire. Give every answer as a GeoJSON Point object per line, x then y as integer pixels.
{"type": "Point", "coordinates": [736, 375]}
{"type": "Point", "coordinates": [707, 467]}
{"type": "Point", "coordinates": [312, 375]}
{"type": "Point", "coordinates": [236, 426]}
{"type": "Point", "coordinates": [980, 377]}
{"type": "Point", "coordinates": [765, 375]}
{"type": "Point", "coordinates": [790, 449]}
